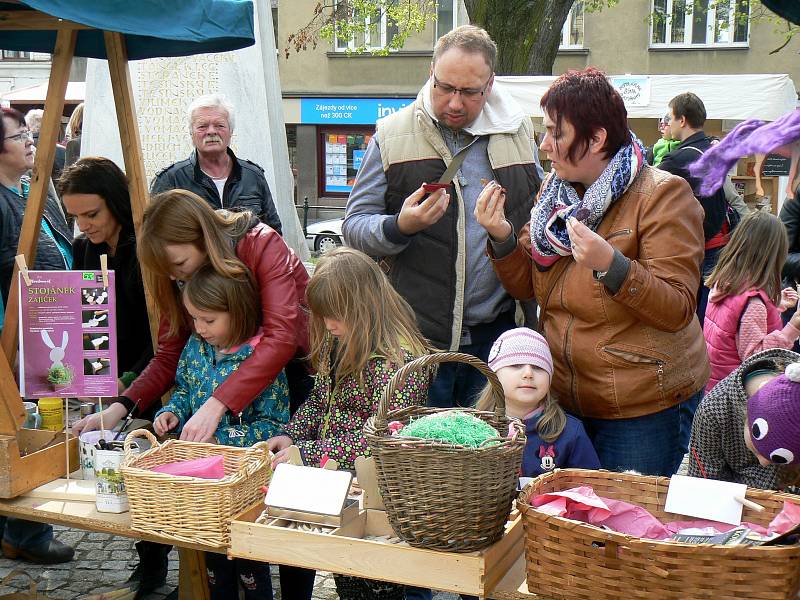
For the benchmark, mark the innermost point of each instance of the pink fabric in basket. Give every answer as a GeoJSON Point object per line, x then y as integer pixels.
{"type": "Point", "coordinates": [582, 504]}
{"type": "Point", "coordinates": [210, 467]}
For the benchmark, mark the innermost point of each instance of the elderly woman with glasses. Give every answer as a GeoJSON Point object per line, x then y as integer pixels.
{"type": "Point", "coordinates": [54, 249]}
{"type": "Point", "coordinates": [612, 255]}
{"type": "Point", "coordinates": [30, 541]}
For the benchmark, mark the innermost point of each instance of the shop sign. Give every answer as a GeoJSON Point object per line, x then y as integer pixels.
{"type": "Point", "coordinates": [353, 111]}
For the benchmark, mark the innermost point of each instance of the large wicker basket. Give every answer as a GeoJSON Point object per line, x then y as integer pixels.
{"type": "Point", "coordinates": [568, 559]}
{"type": "Point", "coordinates": [190, 509]}
{"type": "Point", "coordinates": [442, 496]}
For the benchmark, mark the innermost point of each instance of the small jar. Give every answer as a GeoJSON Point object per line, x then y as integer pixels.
{"type": "Point", "coordinates": [52, 413]}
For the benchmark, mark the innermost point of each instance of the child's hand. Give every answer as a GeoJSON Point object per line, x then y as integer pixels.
{"type": "Point", "coordinates": [788, 298]}
{"type": "Point", "coordinates": [165, 422]}
{"type": "Point", "coordinates": [278, 443]}
{"type": "Point", "coordinates": [281, 457]}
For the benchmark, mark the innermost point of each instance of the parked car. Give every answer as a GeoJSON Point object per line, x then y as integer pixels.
{"type": "Point", "coordinates": [325, 235]}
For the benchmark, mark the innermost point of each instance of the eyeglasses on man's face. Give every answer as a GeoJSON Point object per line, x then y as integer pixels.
{"type": "Point", "coordinates": [467, 93]}
{"type": "Point", "coordinates": [22, 136]}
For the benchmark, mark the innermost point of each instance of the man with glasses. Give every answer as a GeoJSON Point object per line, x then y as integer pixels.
{"type": "Point", "coordinates": [433, 247]}
{"type": "Point", "coordinates": [213, 171]}
{"type": "Point", "coordinates": [33, 542]}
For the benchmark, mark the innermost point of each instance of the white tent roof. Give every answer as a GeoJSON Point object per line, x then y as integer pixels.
{"type": "Point", "coordinates": [738, 97]}
{"type": "Point", "coordinates": [36, 94]}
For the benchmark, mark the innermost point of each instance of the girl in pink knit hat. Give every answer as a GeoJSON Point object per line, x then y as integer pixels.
{"type": "Point", "coordinates": [521, 358]}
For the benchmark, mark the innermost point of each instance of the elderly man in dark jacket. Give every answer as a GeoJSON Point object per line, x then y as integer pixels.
{"type": "Point", "coordinates": [23, 539]}
{"type": "Point", "coordinates": [213, 171]}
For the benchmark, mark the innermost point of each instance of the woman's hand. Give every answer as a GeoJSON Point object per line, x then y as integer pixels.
{"type": "Point", "coordinates": [165, 422]}
{"type": "Point", "coordinates": [788, 298]}
{"type": "Point", "coordinates": [110, 417]}
{"type": "Point", "coordinates": [203, 424]}
{"type": "Point", "coordinates": [490, 213]}
{"type": "Point", "coordinates": [589, 249]}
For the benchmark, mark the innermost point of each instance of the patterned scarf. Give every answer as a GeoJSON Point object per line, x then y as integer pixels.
{"type": "Point", "coordinates": [559, 201]}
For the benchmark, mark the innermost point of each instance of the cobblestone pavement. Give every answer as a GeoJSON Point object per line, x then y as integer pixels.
{"type": "Point", "coordinates": [103, 562]}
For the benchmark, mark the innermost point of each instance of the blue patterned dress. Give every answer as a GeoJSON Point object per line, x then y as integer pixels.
{"type": "Point", "coordinates": [201, 369]}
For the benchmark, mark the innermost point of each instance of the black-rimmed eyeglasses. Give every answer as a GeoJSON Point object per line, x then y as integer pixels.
{"type": "Point", "coordinates": [470, 93]}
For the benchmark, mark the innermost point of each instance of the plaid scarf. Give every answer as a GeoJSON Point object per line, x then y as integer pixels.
{"type": "Point", "coordinates": [559, 201]}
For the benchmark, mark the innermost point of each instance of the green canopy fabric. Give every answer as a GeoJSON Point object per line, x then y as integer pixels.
{"type": "Point", "coordinates": [152, 27]}
{"type": "Point", "coordinates": [788, 9]}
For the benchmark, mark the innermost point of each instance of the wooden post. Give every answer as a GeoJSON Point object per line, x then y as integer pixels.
{"type": "Point", "coordinates": [131, 144]}
{"type": "Point", "coordinates": [192, 581]}
{"type": "Point", "coordinates": [45, 155]}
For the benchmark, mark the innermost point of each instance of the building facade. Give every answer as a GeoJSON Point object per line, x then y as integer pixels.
{"type": "Point", "coordinates": [332, 98]}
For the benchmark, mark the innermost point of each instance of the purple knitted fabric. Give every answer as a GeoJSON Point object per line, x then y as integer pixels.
{"type": "Point", "coordinates": [748, 137]}
{"type": "Point", "coordinates": [520, 346]}
{"type": "Point", "coordinates": [773, 416]}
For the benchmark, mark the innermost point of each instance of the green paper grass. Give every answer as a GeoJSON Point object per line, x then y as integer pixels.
{"type": "Point", "coordinates": [454, 427]}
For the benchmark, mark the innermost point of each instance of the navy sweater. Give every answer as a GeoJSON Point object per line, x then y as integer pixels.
{"type": "Point", "coordinates": [572, 449]}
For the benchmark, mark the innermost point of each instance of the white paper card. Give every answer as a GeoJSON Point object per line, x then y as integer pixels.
{"type": "Point", "coordinates": [705, 499]}
{"type": "Point", "coordinates": [308, 489]}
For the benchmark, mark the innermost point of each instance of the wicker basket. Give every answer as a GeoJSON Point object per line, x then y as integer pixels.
{"type": "Point", "coordinates": [441, 496]}
{"type": "Point", "coordinates": [189, 509]}
{"type": "Point", "coordinates": [570, 559]}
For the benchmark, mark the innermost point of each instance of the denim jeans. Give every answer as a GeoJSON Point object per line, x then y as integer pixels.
{"type": "Point", "coordinates": [652, 445]}
{"type": "Point", "coordinates": [27, 535]}
{"type": "Point", "coordinates": [458, 384]}
{"type": "Point", "coordinates": [709, 262]}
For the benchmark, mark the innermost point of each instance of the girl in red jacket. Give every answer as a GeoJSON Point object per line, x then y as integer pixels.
{"type": "Point", "coordinates": [744, 308]}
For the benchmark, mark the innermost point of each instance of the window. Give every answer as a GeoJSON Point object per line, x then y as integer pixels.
{"type": "Point", "coordinates": [377, 34]}
{"type": "Point", "coordinates": [446, 16]}
{"type": "Point", "coordinates": [572, 32]}
{"type": "Point", "coordinates": [15, 55]}
{"type": "Point", "coordinates": [341, 152]}
{"type": "Point", "coordinates": [700, 23]}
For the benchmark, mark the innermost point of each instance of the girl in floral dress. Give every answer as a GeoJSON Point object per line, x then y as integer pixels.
{"type": "Point", "coordinates": [362, 332]}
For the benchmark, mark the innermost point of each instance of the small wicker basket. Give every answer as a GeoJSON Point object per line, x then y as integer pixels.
{"type": "Point", "coordinates": [568, 559]}
{"type": "Point", "coordinates": [442, 496]}
{"type": "Point", "coordinates": [190, 509]}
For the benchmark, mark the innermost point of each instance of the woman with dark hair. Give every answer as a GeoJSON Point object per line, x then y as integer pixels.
{"type": "Point", "coordinates": [612, 255]}
{"type": "Point", "coordinates": [95, 191]}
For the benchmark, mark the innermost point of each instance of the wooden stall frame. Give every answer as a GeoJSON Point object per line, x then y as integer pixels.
{"type": "Point", "coordinates": [21, 471]}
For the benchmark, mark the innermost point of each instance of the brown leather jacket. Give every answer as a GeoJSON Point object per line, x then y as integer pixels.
{"type": "Point", "coordinates": [641, 350]}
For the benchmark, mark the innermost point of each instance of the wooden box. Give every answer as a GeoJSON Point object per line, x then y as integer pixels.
{"type": "Point", "coordinates": [33, 457]}
{"type": "Point", "coordinates": [344, 550]}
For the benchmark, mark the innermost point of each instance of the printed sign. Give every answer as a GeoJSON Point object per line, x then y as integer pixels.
{"type": "Point", "coordinates": [363, 111]}
{"type": "Point", "coordinates": [776, 165]}
{"type": "Point", "coordinates": [67, 335]}
{"type": "Point", "coordinates": [635, 91]}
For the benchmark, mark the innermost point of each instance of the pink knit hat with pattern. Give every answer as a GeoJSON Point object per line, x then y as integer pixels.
{"type": "Point", "coordinates": [521, 346]}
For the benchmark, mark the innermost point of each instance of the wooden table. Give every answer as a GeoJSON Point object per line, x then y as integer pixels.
{"type": "Point", "coordinates": [84, 515]}
{"type": "Point", "coordinates": [514, 585]}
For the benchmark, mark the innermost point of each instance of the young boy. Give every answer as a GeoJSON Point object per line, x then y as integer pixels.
{"type": "Point", "coordinates": [718, 449]}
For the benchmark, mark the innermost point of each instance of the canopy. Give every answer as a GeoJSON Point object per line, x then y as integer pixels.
{"type": "Point", "coordinates": [737, 97]}
{"type": "Point", "coordinates": [36, 94]}
{"type": "Point", "coordinates": [151, 27]}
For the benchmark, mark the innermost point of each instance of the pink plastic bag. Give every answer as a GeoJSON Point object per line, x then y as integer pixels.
{"type": "Point", "coordinates": [211, 467]}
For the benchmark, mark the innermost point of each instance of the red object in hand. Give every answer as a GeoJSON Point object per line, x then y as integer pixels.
{"type": "Point", "coordinates": [432, 187]}
{"type": "Point", "coordinates": [325, 458]}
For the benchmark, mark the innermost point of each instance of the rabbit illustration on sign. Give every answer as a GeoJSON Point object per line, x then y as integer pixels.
{"type": "Point", "coordinates": [57, 353]}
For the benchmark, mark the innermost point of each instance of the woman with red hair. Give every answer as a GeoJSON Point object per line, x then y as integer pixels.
{"type": "Point", "coordinates": [612, 255]}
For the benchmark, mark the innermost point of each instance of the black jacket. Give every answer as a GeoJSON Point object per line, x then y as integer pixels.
{"type": "Point", "coordinates": [790, 215]}
{"type": "Point", "coordinates": [245, 189]}
{"type": "Point", "coordinates": [48, 256]}
{"type": "Point", "coordinates": [134, 344]}
{"type": "Point", "coordinates": [677, 162]}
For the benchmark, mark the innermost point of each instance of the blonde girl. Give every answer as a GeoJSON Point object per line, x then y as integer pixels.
{"type": "Point", "coordinates": [746, 301]}
{"type": "Point", "coordinates": [362, 332]}
{"type": "Point", "coordinates": [523, 363]}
